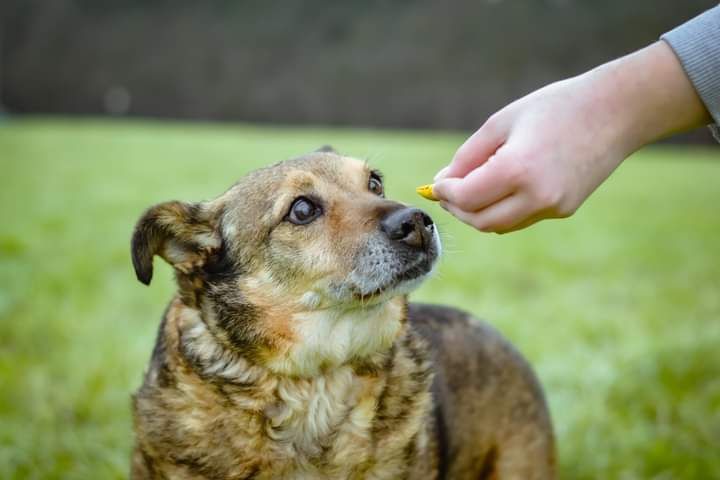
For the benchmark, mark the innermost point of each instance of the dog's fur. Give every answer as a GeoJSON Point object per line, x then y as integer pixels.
{"type": "Point", "coordinates": [290, 351]}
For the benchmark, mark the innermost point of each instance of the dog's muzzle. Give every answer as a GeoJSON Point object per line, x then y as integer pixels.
{"type": "Point", "coordinates": [397, 257]}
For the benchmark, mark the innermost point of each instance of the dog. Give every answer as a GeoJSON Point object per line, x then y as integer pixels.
{"type": "Point", "coordinates": [290, 350]}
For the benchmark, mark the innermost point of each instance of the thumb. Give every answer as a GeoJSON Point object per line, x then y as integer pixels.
{"type": "Point", "coordinates": [474, 152]}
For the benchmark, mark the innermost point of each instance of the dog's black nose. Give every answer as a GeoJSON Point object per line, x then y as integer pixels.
{"type": "Point", "coordinates": [411, 226]}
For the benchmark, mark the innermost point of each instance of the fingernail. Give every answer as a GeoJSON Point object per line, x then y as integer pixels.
{"type": "Point", "coordinates": [441, 173]}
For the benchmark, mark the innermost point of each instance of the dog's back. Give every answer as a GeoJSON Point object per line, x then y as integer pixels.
{"type": "Point", "coordinates": [490, 417]}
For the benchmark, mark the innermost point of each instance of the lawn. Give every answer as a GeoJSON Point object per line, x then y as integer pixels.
{"type": "Point", "coordinates": [618, 307]}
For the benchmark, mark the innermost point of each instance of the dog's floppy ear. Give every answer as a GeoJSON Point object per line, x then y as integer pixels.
{"type": "Point", "coordinates": [326, 149]}
{"type": "Point", "coordinates": [182, 233]}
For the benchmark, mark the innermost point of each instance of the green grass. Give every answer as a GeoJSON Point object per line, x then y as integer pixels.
{"type": "Point", "coordinates": [618, 308]}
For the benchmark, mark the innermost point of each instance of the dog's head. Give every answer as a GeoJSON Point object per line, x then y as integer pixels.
{"type": "Point", "coordinates": [301, 265]}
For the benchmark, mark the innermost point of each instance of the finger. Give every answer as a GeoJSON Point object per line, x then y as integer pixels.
{"type": "Point", "coordinates": [525, 223]}
{"type": "Point", "coordinates": [499, 217]}
{"type": "Point", "coordinates": [480, 188]}
{"type": "Point", "coordinates": [475, 151]}
{"type": "Point", "coordinates": [441, 174]}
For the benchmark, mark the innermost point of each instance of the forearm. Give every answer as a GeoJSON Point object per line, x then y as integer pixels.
{"type": "Point", "coordinates": [646, 95]}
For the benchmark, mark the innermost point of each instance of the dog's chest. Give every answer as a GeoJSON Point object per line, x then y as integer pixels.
{"type": "Point", "coordinates": [336, 426]}
{"type": "Point", "coordinates": [321, 426]}
{"type": "Point", "coordinates": [327, 427]}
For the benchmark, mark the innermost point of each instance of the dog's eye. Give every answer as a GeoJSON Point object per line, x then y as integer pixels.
{"type": "Point", "coordinates": [303, 211]}
{"type": "Point", "coordinates": [375, 184]}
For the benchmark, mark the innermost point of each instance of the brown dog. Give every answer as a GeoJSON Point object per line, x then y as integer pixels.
{"type": "Point", "coordinates": [290, 351]}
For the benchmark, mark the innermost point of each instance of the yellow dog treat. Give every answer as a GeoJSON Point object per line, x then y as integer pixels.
{"type": "Point", "coordinates": [426, 191]}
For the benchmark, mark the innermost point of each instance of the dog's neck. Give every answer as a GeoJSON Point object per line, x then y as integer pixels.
{"type": "Point", "coordinates": [312, 342]}
{"type": "Point", "coordinates": [328, 339]}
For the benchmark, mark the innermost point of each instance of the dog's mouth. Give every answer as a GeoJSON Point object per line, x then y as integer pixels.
{"type": "Point", "coordinates": [367, 297]}
{"type": "Point", "coordinates": [401, 276]}
{"type": "Point", "coordinates": [390, 290]}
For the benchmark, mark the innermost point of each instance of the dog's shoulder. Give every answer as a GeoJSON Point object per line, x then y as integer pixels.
{"type": "Point", "coordinates": [479, 375]}
{"type": "Point", "coordinates": [439, 325]}
{"type": "Point", "coordinates": [467, 351]}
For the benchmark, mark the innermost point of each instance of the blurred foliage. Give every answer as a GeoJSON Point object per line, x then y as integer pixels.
{"type": "Point", "coordinates": [409, 63]}
{"type": "Point", "coordinates": [618, 307]}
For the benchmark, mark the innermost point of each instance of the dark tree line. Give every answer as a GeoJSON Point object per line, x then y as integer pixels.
{"type": "Point", "coordinates": [408, 63]}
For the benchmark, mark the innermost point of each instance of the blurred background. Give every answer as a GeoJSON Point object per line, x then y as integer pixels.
{"type": "Point", "coordinates": [401, 63]}
{"type": "Point", "coordinates": [110, 106]}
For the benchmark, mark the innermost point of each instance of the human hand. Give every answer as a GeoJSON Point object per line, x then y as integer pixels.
{"type": "Point", "coordinates": [543, 155]}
